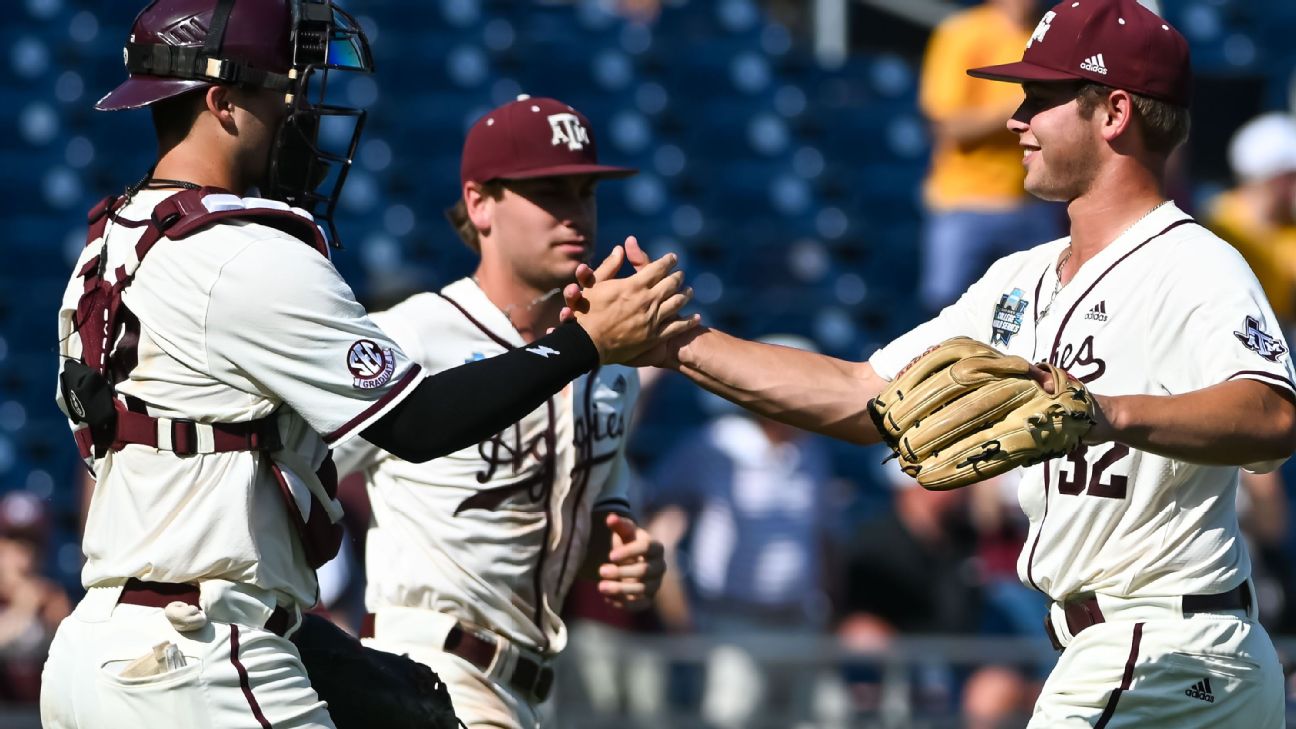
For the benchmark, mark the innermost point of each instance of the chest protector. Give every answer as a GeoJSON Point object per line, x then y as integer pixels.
{"type": "Point", "coordinates": [109, 336]}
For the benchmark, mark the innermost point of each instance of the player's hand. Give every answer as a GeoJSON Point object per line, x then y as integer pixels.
{"type": "Point", "coordinates": [1102, 430]}
{"type": "Point", "coordinates": [662, 353]}
{"type": "Point", "coordinates": [633, 572]}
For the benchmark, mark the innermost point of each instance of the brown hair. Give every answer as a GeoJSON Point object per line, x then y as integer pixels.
{"type": "Point", "coordinates": [457, 214]}
{"type": "Point", "coordinates": [1165, 126]}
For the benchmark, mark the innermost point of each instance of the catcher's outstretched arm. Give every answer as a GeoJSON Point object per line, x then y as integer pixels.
{"type": "Point", "coordinates": [811, 391]}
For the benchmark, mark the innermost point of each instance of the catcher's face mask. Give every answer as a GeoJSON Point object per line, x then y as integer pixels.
{"type": "Point", "coordinates": [316, 142]}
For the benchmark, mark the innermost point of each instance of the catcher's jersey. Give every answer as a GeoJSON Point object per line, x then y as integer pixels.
{"type": "Point", "coordinates": [1166, 309]}
{"type": "Point", "coordinates": [237, 322]}
{"type": "Point", "coordinates": [495, 533]}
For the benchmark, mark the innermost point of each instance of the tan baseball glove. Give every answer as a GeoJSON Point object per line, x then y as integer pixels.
{"type": "Point", "coordinates": [964, 412]}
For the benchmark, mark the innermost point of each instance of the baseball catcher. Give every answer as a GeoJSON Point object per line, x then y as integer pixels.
{"type": "Point", "coordinates": [964, 412]}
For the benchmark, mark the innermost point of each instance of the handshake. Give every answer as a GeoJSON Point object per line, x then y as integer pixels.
{"type": "Point", "coordinates": [631, 320]}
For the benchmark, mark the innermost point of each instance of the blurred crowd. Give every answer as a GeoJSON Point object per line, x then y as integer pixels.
{"type": "Point", "coordinates": [768, 536]}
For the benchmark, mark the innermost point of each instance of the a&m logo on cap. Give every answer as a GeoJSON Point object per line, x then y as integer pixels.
{"type": "Point", "coordinates": [568, 130]}
{"type": "Point", "coordinates": [1042, 29]}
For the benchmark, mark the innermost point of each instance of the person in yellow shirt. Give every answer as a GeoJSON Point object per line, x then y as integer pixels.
{"type": "Point", "coordinates": [1259, 216]}
{"type": "Point", "coordinates": [977, 211]}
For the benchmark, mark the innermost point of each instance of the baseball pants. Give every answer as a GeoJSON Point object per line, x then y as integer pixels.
{"type": "Point", "coordinates": [481, 699]}
{"type": "Point", "coordinates": [1217, 670]}
{"type": "Point", "coordinates": [233, 676]}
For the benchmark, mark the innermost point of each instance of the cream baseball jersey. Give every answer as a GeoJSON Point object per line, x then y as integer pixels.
{"type": "Point", "coordinates": [1166, 309]}
{"type": "Point", "coordinates": [495, 533]}
{"type": "Point", "coordinates": [238, 321]}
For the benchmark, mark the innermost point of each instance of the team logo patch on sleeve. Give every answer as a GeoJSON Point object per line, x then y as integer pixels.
{"type": "Point", "coordinates": [370, 365]}
{"type": "Point", "coordinates": [1008, 317]}
{"type": "Point", "coordinates": [1254, 338]}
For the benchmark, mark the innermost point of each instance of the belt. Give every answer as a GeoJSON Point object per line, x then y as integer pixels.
{"type": "Point", "coordinates": [161, 594]}
{"type": "Point", "coordinates": [1084, 612]}
{"type": "Point", "coordinates": [529, 676]}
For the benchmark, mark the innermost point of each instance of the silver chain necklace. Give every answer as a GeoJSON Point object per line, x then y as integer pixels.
{"type": "Point", "coordinates": [508, 309]}
{"type": "Point", "coordinates": [1057, 284]}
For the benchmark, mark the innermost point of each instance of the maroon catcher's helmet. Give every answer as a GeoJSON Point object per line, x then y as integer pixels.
{"type": "Point", "coordinates": [172, 49]}
{"type": "Point", "coordinates": [291, 46]}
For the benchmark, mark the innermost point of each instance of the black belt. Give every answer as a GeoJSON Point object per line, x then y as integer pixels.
{"type": "Point", "coordinates": [1083, 612]}
{"type": "Point", "coordinates": [529, 677]}
{"type": "Point", "coordinates": [161, 594]}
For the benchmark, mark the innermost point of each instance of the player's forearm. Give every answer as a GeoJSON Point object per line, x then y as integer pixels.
{"type": "Point", "coordinates": [458, 407]}
{"type": "Point", "coordinates": [1232, 423]}
{"type": "Point", "coordinates": [804, 389]}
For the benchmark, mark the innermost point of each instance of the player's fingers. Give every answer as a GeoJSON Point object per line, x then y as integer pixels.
{"type": "Point", "coordinates": [634, 254]}
{"type": "Point", "coordinates": [624, 590]}
{"type": "Point", "coordinates": [622, 527]}
{"type": "Point", "coordinates": [574, 300]}
{"type": "Point", "coordinates": [585, 276]}
{"type": "Point", "coordinates": [654, 272]}
{"type": "Point", "coordinates": [608, 268]}
{"type": "Point", "coordinates": [676, 327]}
{"type": "Point", "coordinates": [633, 551]}
{"type": "Point", "coordinates": [672, 306]}
{"type": "Point", "coordinates": [668, 286]}
{"type": "Point", "coordinates": [1043, 377]}
{"type": "Point", "coordinates": [636, 571]}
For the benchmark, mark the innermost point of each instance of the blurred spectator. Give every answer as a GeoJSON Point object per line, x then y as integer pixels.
{"type": "Point", "coordinates": [30, 605]}
{"type": "Point", "coordinates": [1259, 216]}
{"type": "Point", "coordinates": [977, 210]}
{"type": "Point", "coordinates": [743, 509]}
{"type": "Point", "coordinates": [1262, 514]}
{"type": "Point", "coordinates": [913, 570]}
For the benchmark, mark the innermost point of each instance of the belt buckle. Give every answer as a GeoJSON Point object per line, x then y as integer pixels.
{"type": "Point", "coordinates": [184, 437]}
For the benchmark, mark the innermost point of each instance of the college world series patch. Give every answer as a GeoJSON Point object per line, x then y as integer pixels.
{"type": "Point", "coordinates": [1008, 317]}
{"type": "Point", "coordinates": [370, 365]}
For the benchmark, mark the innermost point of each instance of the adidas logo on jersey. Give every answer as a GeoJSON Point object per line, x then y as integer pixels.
{"type": "Point", "coordinates": [1201, 690]}
{"type": "Point", "coordinates": [1095, 64]}
{"type": "Point", "coordinates": [1098, 312]}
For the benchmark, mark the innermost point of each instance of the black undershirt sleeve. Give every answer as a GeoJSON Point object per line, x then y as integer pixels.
{"type": "Point", "coordinates": [456, 408]}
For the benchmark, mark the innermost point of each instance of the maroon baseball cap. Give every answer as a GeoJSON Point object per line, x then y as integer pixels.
{"type": "Point", "coordinates": [1117, 43]}
{"type": "Point", "coordinates": [531, 138]}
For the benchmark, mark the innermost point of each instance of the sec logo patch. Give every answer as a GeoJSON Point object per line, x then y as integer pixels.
{"type": "Point", "coordinates": [370, 365]}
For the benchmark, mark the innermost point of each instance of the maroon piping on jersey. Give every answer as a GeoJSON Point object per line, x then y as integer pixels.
{"type": "Point", "coordinates": [378, 404]}
{"type": "Point", "coordinates": [551, 443]}
{"type": "Point", "coordinates": [1248, 374]}
{"type": "Point", "coordinates": [1110, 709]}
{"type": "Point", "coordinates": [1057, 342]}
{"type": "Point", "coordinates": [244, 682]}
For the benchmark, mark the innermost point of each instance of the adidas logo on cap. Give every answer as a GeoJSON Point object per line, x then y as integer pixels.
{"type": "Point", "coordinates": [1201, 690]}
{"type": "Point", "coordinates": [1095, 64]}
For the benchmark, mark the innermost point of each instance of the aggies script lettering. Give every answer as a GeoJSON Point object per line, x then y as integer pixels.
{"type": "Point", "coordinates": [506, 449]}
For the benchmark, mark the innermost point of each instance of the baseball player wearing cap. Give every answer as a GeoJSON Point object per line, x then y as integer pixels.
{"type": "Point", "coordinates": [470, 556]}
{"type": "Point", "coordinates": [211, 356]}
{"type": "Point", "coordinates": [1133, 535]}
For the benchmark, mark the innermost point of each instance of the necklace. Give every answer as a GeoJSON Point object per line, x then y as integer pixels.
{"type": "Point", "coordinates": [1066, 256]}
{"type": "Point", "coordinates": [508, 309]}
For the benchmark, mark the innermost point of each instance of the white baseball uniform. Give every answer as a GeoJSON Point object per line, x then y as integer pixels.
{"type": "Point", "coordinates": [491, 536]}
{"type": "Point", "coordinates": [236, 322]}
{"type": "Point", "coordinates": [1167, 308]}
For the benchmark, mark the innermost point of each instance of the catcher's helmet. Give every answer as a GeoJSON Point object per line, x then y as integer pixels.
{"type": "Point", "coordinates": [176, 46]}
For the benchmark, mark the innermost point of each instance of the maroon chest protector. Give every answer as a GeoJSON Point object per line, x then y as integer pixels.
{"type": "Point", "coordinates": [109, 336]}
